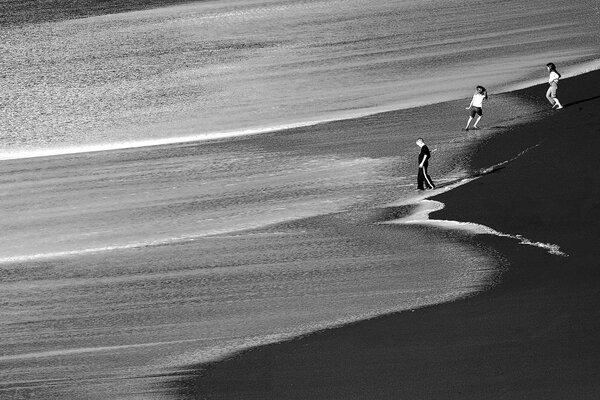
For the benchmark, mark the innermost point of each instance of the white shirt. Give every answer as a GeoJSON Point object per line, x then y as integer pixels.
{"type": "Point", "coordinates": [477, 100]}
{"type": "Point", "coordinates": [553, 77]}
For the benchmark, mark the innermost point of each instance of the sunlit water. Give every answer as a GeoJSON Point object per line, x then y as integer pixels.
{"type": "Point", "coordinates": [117, 266]}
{"type": "Point", "coordinates": [207, 68]}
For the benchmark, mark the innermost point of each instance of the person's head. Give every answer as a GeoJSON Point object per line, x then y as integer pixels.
{"type": "Point", "coordinates": [551, 67]}
{"type": "Point", "coordinates": [480, 89]}
{"type": "Point", "coordinates": [420, 142]}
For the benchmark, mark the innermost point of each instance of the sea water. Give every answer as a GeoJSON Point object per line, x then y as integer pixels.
{"type": "Point", "coordinates": [213, 68]}
{"type": "Point", "coordinates": [118, 266]}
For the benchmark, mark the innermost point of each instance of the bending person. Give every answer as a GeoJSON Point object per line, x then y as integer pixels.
{"type": "Point", "coordinates": [423, 178]}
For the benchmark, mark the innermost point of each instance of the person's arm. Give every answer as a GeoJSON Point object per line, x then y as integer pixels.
{"type": "Point", "coordinates": [485, 94]}
{"type": "Point", "coordinates": [423, 160]}
{"type": "Point", "coordinates": [470, 104]}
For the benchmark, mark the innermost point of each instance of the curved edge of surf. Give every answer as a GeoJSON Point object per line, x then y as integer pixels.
{"type": "Point", "coordinates": [425, 206]}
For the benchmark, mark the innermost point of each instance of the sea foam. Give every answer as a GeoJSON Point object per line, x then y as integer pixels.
{"type": "Point", "coordinates": [425, 207]}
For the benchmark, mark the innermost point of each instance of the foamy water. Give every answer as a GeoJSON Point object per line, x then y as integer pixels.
{"type": "Point", "coordinates": [421, 216]}
{"type": "Point", "coordinates": [118, 265]}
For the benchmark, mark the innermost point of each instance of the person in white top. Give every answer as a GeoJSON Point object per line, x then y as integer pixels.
{"type": "Point", "coordinates": [476, 106]}
{"type": "Point", "coordinates": [553, 78]}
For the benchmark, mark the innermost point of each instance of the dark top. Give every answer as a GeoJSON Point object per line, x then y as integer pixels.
{"type": "Point", "coordinates": [424, 152]}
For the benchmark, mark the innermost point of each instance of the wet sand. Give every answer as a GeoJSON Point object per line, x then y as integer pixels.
{"type": "Point", "coordinates": [114, 270]}
{"type": "Point", "coordinates": [534, 335]}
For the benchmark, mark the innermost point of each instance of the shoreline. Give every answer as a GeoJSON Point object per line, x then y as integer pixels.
{"type": "Point", "coordinates": [531, 336]}
{"type": "Point", "coordinates": [240, 134]}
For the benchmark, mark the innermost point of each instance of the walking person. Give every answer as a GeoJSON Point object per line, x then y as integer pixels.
{"type": "Point", "coordinates": [553, 77]}
{"type": "Point", "coordinates": [476, 106]}
{"type": "Point", "coordinates": [423, 179]}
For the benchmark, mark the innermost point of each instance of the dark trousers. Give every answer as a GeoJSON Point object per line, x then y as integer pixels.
{"type": "Point", "coordinates": [424, 179]}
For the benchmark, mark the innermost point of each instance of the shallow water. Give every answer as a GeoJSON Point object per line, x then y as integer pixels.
{"type": "Point", "coordinates": [117, 266]}
{"type": "Point", "coordinates": [106, 325]}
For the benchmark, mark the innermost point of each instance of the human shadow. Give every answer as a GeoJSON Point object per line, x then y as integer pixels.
{"type": "Point", "coordinates": [581, 101]}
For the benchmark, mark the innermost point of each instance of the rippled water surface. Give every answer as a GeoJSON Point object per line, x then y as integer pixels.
{"type": "Point", "coordinates": [116, 266]}
{"type": "Point", "coordinates": [204, 68]}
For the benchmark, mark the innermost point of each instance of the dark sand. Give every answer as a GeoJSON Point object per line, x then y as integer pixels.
{"type": "Point", "coordinates": [536, 335]}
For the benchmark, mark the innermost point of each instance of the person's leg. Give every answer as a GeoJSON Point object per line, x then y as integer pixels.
{"type": "Point", "coordinates": [557, 104]}
{"type": "Point", "coordinates": [420, 179]}
{"type": "Point", "coordinates": [472, 114]}
{"type": "Point", "coordinates": [477, 121]}
{"type": "Point", "coordinates": [553, 99]}
{"type": "Point", "coordinates": [468, 122]}
{"type": "Point", "coordinates": [549, 95]}
{"type": "Point", "coordinates": [428, 182]}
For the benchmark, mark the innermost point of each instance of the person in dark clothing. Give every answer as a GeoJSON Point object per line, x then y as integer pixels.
{"type": "Point", "coordinates": [423, 179]}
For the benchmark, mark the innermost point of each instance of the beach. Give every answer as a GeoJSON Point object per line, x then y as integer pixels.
{"type": "Point", "coordinates": [201, 270]}
{"type": "Point", "coordinates": [533, 335]}
{"type": "Point", "coordinates": [218, 198]}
